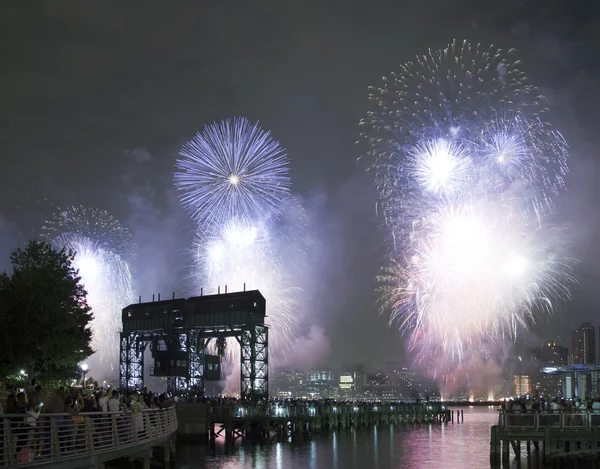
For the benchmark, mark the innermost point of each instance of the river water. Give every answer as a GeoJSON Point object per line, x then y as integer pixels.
{"type": "Point", "coordinates": [445, 446]}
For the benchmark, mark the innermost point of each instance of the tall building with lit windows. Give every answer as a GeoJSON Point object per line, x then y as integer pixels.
{"type": "Point", "coordinates": [321, 384]}
{"type": "Point", "coordinates": [583, 342]}
{"type": "Point", "coordinates": [351, 381]}
{"type": "Point", "coordinates": [548, 354]}
{"type": "Point", "coordinates": [287, 383]}
{"type": "Point", "coordinates": [584, 350]}
{"type": "Point", "coordinates": [522, 385]}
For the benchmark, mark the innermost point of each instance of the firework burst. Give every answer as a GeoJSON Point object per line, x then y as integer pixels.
{"type": "Point", "coordinates": [251, 233]}
{"type": "Point", "coordinates": [101, 245]}
{"type": "Point", "coordinates": [232, 169]}
{"type": "Point", "coordinates": [466, 171]}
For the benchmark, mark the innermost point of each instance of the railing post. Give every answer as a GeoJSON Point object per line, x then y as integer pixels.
{"type": "Point", "coordinates": [148, 426]}
{"type": "Point", "coordinates": [562, 421]}
{"type": "Point", "coordinates": [159, 422]}
{"type": "Point", "coordinates": [115, 430]}
{"type": "Point", "coordinates": [134, 426]}
{"type": "Point", "coordinates": [536, 421]}
{"type": "Point", "coordinates": [54, 440]}
{"type": "Point", "coordinates": [89, 435]}
{"type": "Point", "coordinates": [9, 444]}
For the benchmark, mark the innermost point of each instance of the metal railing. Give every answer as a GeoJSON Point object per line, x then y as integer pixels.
{"type": "Point", "coordinates": [53, 438]}
{"type": "Point", "coordinates": [555, 419]}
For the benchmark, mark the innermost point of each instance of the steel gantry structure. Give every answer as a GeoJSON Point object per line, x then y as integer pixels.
{"type": "Point", "coordinates": [179, 331]}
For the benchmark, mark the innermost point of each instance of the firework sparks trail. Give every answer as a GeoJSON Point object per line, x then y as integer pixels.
{"type": "Point", "coordinates": [234, 181]}
{"type": "Point", "coordinates": [102, 246]}
{"type": "Point", "coordinates": [232, 169]}
{"type": "Point", "coordinates": [466, 171]}
{"type": "Point", "coordinates": [243, 255]}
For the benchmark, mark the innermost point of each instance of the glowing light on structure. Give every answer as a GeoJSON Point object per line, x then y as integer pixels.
{"type": "Point", "coordinates": [101, 246]}
{"type": "Point", "coordinates": [232, 169]}
{"type": "Point", "coordinates": [466, 171]}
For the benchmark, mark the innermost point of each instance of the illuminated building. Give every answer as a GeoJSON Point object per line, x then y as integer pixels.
{"type": "Point", "coordinates": [522, 385]}
{"type": "Point", "coordinates": [584, 344]}
{"type": "Point", "coordinates": [548, 354]}
{"type": "Point", "coordinates": [351, 381]}
{"type": "Point", "coordinates": [288, 383]}
{"type": "Point", "coordinates": [584, 351]}
{"type": "Point", "coordinates": [321, 384]}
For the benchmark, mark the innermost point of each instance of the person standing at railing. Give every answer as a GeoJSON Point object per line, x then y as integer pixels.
{"type": "Point", "coordinates": [89, 403]}
{"type": "Point", "coordinates": [102, 397]}
{"type": "Point", "coordinates": [72, 430]}
{"type": "Point", "coordinates": [35, 396]}
{"type": "Point", "coordinates": [34, 439]}
{"type": "Point", "coordinates": [21, 406]}
{"type": "Point", "coordinates": [20, 429]}
{"type": "Point", "coordinates": [113, 404]}
{"type": "Point", "coordinates": [136, 408]}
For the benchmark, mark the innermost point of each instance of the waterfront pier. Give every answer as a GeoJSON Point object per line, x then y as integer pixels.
{"type": "Point", "coordinates": [560, 433]}
{"type": "Point", "coordinates": [279, 420]}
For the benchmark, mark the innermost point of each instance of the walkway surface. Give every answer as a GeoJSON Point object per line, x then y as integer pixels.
{"type": "Point", "coordinates": [67, 441]}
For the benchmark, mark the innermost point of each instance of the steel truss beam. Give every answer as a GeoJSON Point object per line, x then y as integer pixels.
{"type": "Point", "coordinates": [196, 345]}
{"type": "Point", "coordinates": [253, 340]}
{"type": "Point", "coordinates": [131, 363]}
{"type": "Point", "coordinates": [131, 366]}
{"type": "Point", "coordinates": [255, 362]}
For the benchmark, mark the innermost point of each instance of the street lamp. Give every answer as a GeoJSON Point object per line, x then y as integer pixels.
{"type": "Point", "coordinates": [84, 368]}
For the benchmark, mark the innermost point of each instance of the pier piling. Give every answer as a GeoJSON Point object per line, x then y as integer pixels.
{"type": "Point", "coordinates": [269, 421]}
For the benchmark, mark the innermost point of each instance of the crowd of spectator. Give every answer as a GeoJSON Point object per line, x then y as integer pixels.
{"type": "Point", "coordinates": [26, 410]}
{"type": "Point", "coordinates": [551, 404]}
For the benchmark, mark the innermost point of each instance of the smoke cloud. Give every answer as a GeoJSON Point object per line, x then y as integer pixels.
{"type": "Point", "coordinates": [309, 350]}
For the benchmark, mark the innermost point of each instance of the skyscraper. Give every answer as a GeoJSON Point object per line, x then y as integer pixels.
{"type": "Point", "coordinates": [548, 354]}
{"type": "Point", "coordinates": [584, 344]}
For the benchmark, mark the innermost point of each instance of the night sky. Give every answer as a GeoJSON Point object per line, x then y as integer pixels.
{"type": "Point", "coordinates": [98, 96]}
